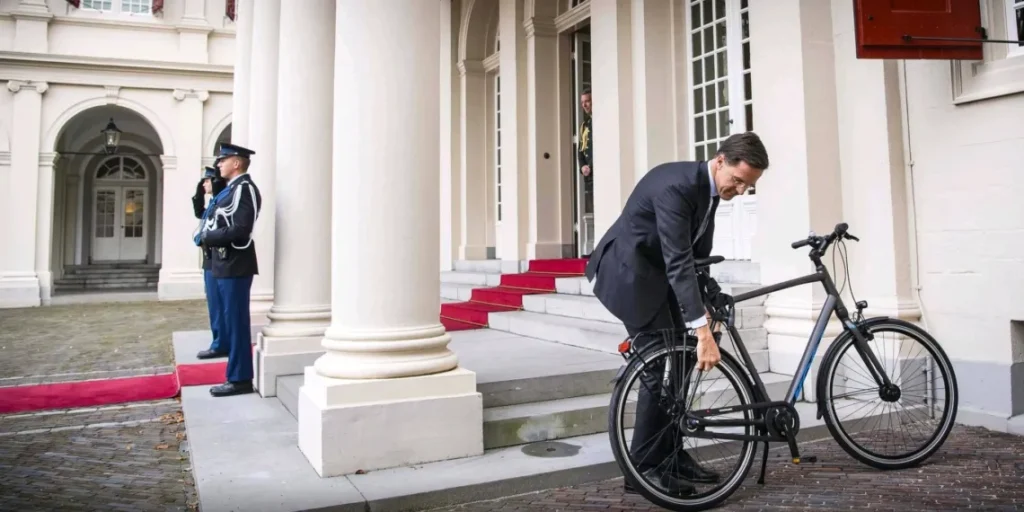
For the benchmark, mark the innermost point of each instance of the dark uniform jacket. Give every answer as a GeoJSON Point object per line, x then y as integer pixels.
{"type": "Point", "coordinates": [232, 250]}
{"type": "Point", "coordinates": [649, 251]}
{"type": "Point", "coordinates": [586, 146]}
{"type": "Point", "coordinates": [199, 207]}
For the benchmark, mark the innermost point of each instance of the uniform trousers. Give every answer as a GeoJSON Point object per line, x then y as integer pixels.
{"type": "Point", "coordinates": [236, 326]}
{"type": "Point", "coordinates": [214, 307]}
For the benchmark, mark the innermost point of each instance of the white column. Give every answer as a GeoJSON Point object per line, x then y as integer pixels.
{"type": "Point", "coordinates": [263, 140]}
{"type": "Point", "coordinates": [546, 235]}
{"type": "Point", "coordinates": [44, 226]}
{"type": "Point", "coordinates": [450, 113]}
{"type": "Point", "coordinates": [302, 273]}
{"type": "Point", "coordinates": [31, 26]}
{"type": "Point", "coordinates": [793, 69]}
{"type": "Point", "coordinates": [181, 276]}
{"type": "Point", "coordinates": [19, 281]}
{"type": "Point", "coordinates": [240, 94]}
{"type": "Point", "coordinates": [873, 174]}
{"type": "Point", "coordinates": [473, 168]}
{"type": "Point", "coordinates": [613, 110]}
{"type": "Point", "coordinates": [515, 212]}
{"type": "Point", "coordinates": [194, 32]}
{"type": "Point", "coordinates": [654, 142]}
{"type": "Point", "coordinates": [387, 354]}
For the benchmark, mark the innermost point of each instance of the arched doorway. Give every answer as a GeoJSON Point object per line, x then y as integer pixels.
{"type": "Point", "coordinates": [107, 204]}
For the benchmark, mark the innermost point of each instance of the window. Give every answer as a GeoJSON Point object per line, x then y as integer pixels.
{"type": "Point", "coordinates": [721, 85]}
{"type": "Point", "coordinates": [1000, 71]}
{"type": "Point", "coordinates": [1015, 26]}
{"type": "Point", "coordinates": [143, 7]}
{"type": "Point", "coordinates": [121, 168]}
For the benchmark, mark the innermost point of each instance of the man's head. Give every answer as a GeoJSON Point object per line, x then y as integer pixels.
{"type": "Point", "coordinates": [739, 163]}
{"type": "Point", "coordinates": [585, 101]}
{"type": "Point", "coordinates": [233, 160]}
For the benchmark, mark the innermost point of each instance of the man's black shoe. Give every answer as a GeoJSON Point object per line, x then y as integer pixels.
{"type": "Point", "coordinates": [689, 469]}
{"type": "Point", "coordinates": [210, 354]}
{"type": "Point", "coordinates": [232, 388]}
{"type": "Point", "coordinates": [667, 483]}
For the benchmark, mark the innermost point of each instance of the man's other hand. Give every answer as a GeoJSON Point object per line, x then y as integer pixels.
{"type": "Point", "coordinates": [707, 351]}
{"type": "Point", "coordinates": [585, 170]}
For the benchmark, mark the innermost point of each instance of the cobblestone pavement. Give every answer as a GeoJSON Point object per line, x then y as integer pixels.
{"type": "Point", "coordinates": [975, 469]}
{"type": "Point", "coordinates": [120, 458]}
{"type": "Point", "coordinates": [91, 341]}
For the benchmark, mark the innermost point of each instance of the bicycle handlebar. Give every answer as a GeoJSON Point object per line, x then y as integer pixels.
{"type": "Point", "coordinates": [820, 243]}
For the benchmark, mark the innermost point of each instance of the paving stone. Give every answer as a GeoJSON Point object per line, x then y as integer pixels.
{"type": "Point", "coordinates": [976, 469]}
{"type": "Point", "coordinates": [91, 341]}
{"type": "Point", "coordinates": [116, 467]}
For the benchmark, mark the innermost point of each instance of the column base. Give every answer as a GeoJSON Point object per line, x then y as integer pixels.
{"type": "Point", "coordinates": [548, 250]}
{"type": "Point", "coordinates": [472, 252]}
{"type": "Point", "coordinates": [348, 425]}
{"type": "Point", "coordinates": [20, 290]}
{"type": "Point", "coordinates": [289, 344]}
{"type": "Point", "coordinates": [180, 284]}
{"type": "Point", "coordinates": [260, 302]}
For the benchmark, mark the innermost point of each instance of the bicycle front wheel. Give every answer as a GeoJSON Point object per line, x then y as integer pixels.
{"type": "Point", "coordinates": [899, 426]}
{"type": "Point", "coordinates": [656, 389]}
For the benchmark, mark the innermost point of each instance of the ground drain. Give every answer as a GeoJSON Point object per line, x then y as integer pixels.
{"type": "Point", "coordinates": [551, 449]}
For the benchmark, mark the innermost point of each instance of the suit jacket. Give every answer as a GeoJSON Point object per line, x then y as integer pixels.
{"type": "Point", "coordinates": [233, 252]}
{"type": "Point", "coordinates": [586, 146]}
{"type": "Point", "coordinates": [649, 251]}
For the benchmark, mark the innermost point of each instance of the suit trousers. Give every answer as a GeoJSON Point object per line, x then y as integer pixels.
{"type": "Point", "coordinates": [237, 326]}
{"type": "Point", "coordinates": [213, 306]}
{"type": "Point", "coordinates": [655, 438]}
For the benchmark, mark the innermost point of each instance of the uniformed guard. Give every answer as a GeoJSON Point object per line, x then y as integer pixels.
{"type": "Point", "coordinates": [227, 234]}
{"type": "Point", "coordinates": [211, 184]}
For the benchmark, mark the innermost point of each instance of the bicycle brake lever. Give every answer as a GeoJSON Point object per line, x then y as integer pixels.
{"type": "Point", "coordinates": [851, 237]}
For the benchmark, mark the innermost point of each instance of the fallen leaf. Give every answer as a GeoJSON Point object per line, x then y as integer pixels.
{"type": "Point", "coordinates": [161, 446]}
{"type": "Point", "coordinates": [129, 447]}
{"type": "Point", "coordinates": [180, 436]}
{"type": "Point", "coordinates": [360, 472]}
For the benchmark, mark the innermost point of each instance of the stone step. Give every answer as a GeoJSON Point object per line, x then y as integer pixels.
{"type": "Point", "coordinates": [606, 336]}
{"type": "Point", "coordinates": [115, 278]}
{"type": "Point", "coordinates": [88, 271]}
{"type": "Point", "coordinates": [457, 292]}
{"type": "Point", "coordinates": [113, 266]}
{"type": "Point", "coordinates": [580, 286]}
{"type": "Point", "coordinates": [63, 287]}
{"type": "Point", "coordinates": [490, 266]}
{"type": "Point", "coordinates": [480, 279]}
{"type": "Point", "coordinates": [590, 308]}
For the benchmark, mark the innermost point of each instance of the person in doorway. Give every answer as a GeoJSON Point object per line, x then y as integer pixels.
{"type": "Point", "coordinates": [211, 184]}
{"type": "Point", "coordinates": [645, 276]}
{"type": "Point", "coordinates": [228, 236]}
{"type": "Point", "coordinates": [586, 152]}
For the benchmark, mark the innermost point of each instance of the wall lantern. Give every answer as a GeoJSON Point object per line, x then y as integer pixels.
{"type": "Point", "coordinates": [111, 137]}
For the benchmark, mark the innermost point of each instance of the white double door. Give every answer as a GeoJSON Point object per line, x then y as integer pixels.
{"type": "Point", "coordinates": [119, 223]}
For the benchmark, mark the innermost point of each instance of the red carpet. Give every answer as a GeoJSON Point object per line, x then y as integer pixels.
{"type": "Point", "coordinates": [508, 295]}
{"type": "Point", "coordinates": [92, 393]}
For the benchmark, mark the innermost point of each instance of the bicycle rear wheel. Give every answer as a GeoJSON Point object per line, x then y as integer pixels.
{"type": "Point", "coordinates": [725, 385]}
{"type": "Point", "coordinates": [920, 407]}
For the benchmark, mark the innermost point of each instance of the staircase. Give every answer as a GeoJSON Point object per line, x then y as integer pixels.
{"type": "Point", "coordinates": [108, 276]}
{"type": "Point", "coordinates": [571, 316]}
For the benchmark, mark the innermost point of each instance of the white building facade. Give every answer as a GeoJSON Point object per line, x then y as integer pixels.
{"type": "Point", "coordinates": [917, 153]}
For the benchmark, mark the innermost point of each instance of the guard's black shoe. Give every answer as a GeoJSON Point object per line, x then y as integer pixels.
{"type": "Point", "coordinates": [666, 482]}
{"type": "Point", "coordinates": [232, 388]}
{"type": "Point", "coordinates": [210, 354]}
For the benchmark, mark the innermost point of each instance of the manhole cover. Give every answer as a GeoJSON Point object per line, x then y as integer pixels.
{"type": "Point", "coordinates": [551, 449]}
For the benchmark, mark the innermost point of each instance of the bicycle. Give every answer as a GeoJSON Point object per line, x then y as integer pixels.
{"type": "Point", "coordinates": [757, 415]}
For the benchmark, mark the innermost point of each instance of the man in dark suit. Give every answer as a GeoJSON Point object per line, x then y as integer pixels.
{"type": "Point", "coordinates": [644, 266]}
{"type": "Point", "coordinates": [213, 185]}
{"type": "Point", "coordinates": [228, 235]}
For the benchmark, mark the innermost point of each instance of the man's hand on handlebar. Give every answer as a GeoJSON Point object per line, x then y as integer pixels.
{"type": "Point", "coordinates": [707, 350]}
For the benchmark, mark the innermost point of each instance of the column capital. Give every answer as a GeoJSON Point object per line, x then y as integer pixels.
{"type": "Point", "coordinates": [470, 67]}
{"type": "Point", "coordinates": [544, 27]}
{"type": "Point", "coordinates": [5, 158]}
{"type": "Point", "coordinates": [183, 94]}
{"type": "Point", "coordinates": [48, 159]}
{"type": "Point", "coordinates": [170, 163]}
{"type": "Point", "coordinates": [22, 85]}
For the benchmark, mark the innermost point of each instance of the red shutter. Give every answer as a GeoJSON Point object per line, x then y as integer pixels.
{"type": "Point", "coordinates": [158, 6]}
{"type": "Point", "coordinates": [75, 3]}
{"type": "Point", "coordinates": [229, 9]}
{"type": "Point", "coordinates": [882, 27]}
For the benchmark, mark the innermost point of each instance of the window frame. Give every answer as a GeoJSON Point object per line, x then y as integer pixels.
{"type": "Point", "coordinates": [116, 9]}
{"type": "Point", "coordinates": [1001, 71]}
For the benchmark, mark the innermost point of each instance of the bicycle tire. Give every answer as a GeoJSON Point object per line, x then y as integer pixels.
{"type": "Point", "coordinates": [620, 449]}
{"type": "Point", "coordinates": [830, 370]}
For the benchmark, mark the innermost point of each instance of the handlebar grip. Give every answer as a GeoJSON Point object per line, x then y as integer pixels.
{"type": "Point", "coordinates": [800, 243]}
{"type": "Point", "coordinates": [842, 227]}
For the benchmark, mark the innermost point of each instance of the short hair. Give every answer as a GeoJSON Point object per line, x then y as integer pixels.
{"type": "Point", "coordinates": [244, 163]}
{"type": "Point", "coordinates": [585, 91]}
{"type": "Point", "coordinates": [746, 147]}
